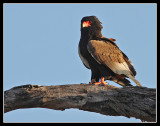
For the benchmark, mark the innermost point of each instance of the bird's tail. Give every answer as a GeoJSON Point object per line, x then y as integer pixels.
{"type": "Point", "coordinates": [136, 81]}
{"type": "Point", "coordinates": [123, 82]}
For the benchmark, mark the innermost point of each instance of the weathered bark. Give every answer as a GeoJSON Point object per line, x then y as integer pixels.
{"type": "Point", "coordinates": [138, 102]}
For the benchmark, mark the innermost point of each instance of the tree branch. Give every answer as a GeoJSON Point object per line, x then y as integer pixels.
{"type": "Point", "coordinates": [138, 102]}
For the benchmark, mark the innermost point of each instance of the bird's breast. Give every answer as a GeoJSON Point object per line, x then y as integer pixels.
{"type": "Point", "coordinates": [84, 55]}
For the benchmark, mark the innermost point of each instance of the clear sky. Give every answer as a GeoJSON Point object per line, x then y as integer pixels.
{"type": "Point", "coordinates": [41, 48]}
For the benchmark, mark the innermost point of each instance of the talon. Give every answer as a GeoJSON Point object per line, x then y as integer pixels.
{"type": "Point", "coordinates": [97, 83]}
{"type": "Point", "coordinates": [92, 81]}
{"type": "Point", "coordinates": [101, 82]}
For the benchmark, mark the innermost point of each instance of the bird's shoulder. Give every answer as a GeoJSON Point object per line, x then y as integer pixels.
{"type": "Point", "coordinates": [106, 40]}
{"type": "Point", "coordinates": [105, 45]}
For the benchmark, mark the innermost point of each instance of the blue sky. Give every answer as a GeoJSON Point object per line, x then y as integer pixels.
{"type": "Point", "coordinates": [41, 48]}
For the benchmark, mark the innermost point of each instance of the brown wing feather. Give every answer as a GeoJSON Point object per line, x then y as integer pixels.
{"type": "Point", "coordinates": [110, 55]}
{"type": "Point", "coordinates": [129, 64]}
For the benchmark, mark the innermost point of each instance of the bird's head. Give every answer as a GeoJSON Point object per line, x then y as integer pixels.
{"type": "Point", "coordinates": [90, 25]}
{"type": "Point", "coordinates": [90, 22]}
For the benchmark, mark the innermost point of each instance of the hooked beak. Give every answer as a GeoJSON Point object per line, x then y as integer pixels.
{"type": "Point", "coordinates": [86, 24]}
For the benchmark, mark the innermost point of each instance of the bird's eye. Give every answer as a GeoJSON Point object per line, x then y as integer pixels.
{"type": "Point", "coordinates": [86, 24]}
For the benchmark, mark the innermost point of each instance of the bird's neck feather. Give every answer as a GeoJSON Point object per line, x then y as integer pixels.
{"type": "Point", "coordinates": [91, 35]}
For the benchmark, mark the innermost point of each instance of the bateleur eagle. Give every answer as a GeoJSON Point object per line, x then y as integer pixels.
{"type": "Point", "coordinates": [102, 55]}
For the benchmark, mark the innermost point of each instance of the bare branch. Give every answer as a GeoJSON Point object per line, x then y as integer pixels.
{"type": "Point", "coordinates": [138, 102]}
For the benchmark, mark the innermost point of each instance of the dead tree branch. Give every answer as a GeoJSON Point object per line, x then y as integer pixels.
{"type": "Point", "coordinates": [138, 102]}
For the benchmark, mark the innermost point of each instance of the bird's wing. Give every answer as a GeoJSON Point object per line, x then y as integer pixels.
{"type": "Point", "coordinates": [107, 53]}
{"type": "Point", "coordinates": [129, 63]}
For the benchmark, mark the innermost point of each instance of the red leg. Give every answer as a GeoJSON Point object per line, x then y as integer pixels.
{"type": "Point", "coordinates": [101, 82]}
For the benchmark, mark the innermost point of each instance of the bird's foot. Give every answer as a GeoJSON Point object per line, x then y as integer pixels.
{"type": "Point", "coordinates": [92, 81]}
{"type": "Point", "coordinates": [98, 83]}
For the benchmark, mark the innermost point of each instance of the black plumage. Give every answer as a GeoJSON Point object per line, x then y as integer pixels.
{"type": "Point", "coordinates": [103, 56]}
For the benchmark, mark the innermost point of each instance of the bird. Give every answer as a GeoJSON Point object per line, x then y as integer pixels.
{"type": "Point", "coordinates": [102, 55]}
